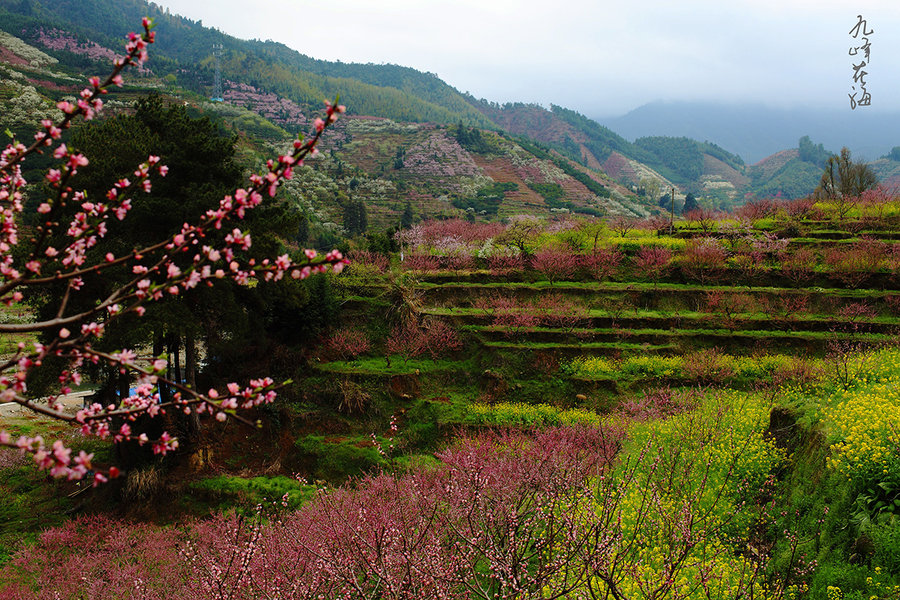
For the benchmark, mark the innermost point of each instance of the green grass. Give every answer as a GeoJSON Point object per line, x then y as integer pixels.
{"type": "Point", "coordinates": [337, 458]}
{"type": "Point", "coordinates": [9, 342]}
{"type": "Point", "coordinates": [29, 506]}
{"type": "Point", "coordinates": [613, 346]}
{"type": "Point", "coordinates": [377, 365]}
{"type": "Point", "coordinates": [224, 492]}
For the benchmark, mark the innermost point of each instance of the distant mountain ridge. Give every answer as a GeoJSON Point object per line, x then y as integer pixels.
{"type": "Point", "coordinates": [754, 131]}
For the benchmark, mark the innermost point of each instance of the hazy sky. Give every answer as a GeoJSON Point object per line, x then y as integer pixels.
{"type": "Point", "coordinates": [600, 58]}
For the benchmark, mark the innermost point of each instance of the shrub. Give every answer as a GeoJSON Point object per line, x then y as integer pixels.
{"type": "Point", "coordinates": [658, 404]}
{"type": "Point", "coordinates": [558, 311]}
{"type": "Point", "coordinates": [708, 366]}
{"type": "Point", "coordinates": [503, 263]}
{"type": "Point", "coordinates": [420, 262]}
{"type": "Point", "coordinates": [798, 266]}
{"type": "Point", "coordinates": [346, 344]}
{"type": "Point", "coordinates": [432, 337]}
{"type": "Point", "coordinates": [366, 263]}
{"type": "Point", "coordinates": [855, 264]}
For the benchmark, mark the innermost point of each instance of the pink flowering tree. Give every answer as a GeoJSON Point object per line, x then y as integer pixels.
{"type": "Point", "coordinates": [703, 259]}
{"type": "Point", "coordinates": [652, 262]}
{"type": "Point", "coordinates": [604, 263]}
{"type": "Point", "coordinates": [555, 264]}
{"type": "Point", "coordinates": [62, 249]}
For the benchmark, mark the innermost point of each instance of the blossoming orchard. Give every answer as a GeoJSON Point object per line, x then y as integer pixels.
{"type": "Point", "coordinates": [506, 372]}
{"type": "Point", "coordinates": [29, 261]}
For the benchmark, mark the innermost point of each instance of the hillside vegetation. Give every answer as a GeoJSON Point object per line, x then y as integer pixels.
{"type": "Point", "coordinates": [284, 87]}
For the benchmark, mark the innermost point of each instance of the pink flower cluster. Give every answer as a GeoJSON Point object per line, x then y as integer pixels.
{"type": "Point", "coordinates": [153, 273]}
{"type": "Point", "coordinates": [507, 512]}
{"type": "Point", "coordinates": [57, 39]}
{"type": "Point", "coordinates": [439, 156]}
{"type": "Point", "coordinates": [448, 237]}
{"type": "Point", "coordinates": [271, 106]}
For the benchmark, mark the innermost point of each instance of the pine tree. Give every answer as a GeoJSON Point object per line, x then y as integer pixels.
{"type": "Point", "coordinates": [406, 219]}
{"type": "Point", "coordinates": [690, 204]}
{"type": "Point", "coordinates": [356, 220]}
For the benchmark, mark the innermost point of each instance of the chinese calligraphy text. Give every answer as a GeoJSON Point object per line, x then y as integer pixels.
{"type": "Point", "coordinates": [860, 53]}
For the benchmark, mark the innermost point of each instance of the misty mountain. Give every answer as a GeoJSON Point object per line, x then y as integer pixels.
{"type": "Point", "coordinates": [754, 131]}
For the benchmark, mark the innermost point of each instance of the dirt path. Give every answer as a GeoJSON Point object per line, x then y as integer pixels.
{"type": "Point", "coordinates": [71, 404]}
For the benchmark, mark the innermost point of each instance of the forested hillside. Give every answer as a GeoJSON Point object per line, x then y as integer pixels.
{"type": "Point", "coordinates": [386, 91]}
{"type": "Point", "coordinates": [282, 86]}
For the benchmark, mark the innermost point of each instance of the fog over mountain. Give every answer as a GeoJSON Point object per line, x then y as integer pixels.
{"type": "Point", "coordinates": [755, 131]}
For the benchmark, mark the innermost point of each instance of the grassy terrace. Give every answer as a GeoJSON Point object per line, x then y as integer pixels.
{"type": "Point", "coordinates": [427, 284]}
{"type": "Point", "coordinates": [777, 426]}
{"type": "Point", "coordinates": [637, 334]}
{"type": "Point", "coordinates": [629, 317]}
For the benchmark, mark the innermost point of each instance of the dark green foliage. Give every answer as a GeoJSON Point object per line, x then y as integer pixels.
{"type": "Point", "coordinates": [487, 200]}
{"type": "Point", "coordinates": [580, 176]}
{"type": "Point", "coordinates": [391, 91]}
{"type": "Point", "coordinates": [319, 311]}
{"type": "Point", "coordinates": [732, 160]}
{"type": "Point", "coordinates": [200, 160]}
{"type": "Point", "coordinates": [587, 210]}
{"type": "Point", "coordinates": [602, 141]}
{"type": "Point", "coordinates": [572, 149]}
{"type": "Point", "coordinates": [324, 239]}
{"type": "Point", "coordinates": [552, 194]}
{"type": "Point", "coordinates": [398, 158]}
{"type": "Point", "coordinates": [796, 179]}
{"type": "Point", "coordinates": [680, 156]}
{"type": "Point", "coordinates": [406, 219]}
{"type": "Point", "coordinates": [356, 219]}
{"type": "Point", "coordinates": [382, 242]}
{"type": "Point", "coordinates": [550, 191]}
{"type": "Point", "coordinates": [201, 171]}
{"type": "Point", "coordinates": [534, 148]}
{"type": "Point", "coordinates": [690, 203]}
{"type": "Point", "coordinates": [302, 230]}
{"type": "Point", "coordinates": [472, 140]}
{"type": "Point", "coordinates": [812, 153]}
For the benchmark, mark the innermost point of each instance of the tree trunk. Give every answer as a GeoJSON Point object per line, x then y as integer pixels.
{"type": "Point", "coordinates": [175, 354]}
{"type": "Point", "coordinates": [124, 385]}
{"type": "Point", "coordinates": [190, 379]}
{"type": "Point", "coordinates": [158, 349]}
